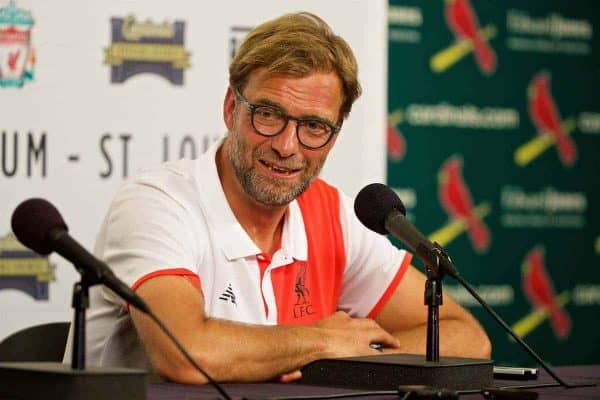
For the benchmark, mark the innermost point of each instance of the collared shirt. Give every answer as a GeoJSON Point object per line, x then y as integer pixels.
{"type": "Point", "coordinates": [175, 220]}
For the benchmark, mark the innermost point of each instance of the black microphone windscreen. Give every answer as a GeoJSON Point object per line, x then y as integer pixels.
{"type": "Point", "coordinates": [373, 204]}
{"type": "Point", "coordinates": [32, 220]}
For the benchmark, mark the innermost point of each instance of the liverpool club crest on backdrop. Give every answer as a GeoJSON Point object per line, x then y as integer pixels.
{"type": "Point", "coordinates": [17, 57]}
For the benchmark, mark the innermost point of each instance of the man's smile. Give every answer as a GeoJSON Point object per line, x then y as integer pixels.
{"type": "Point", "coordinates": [279, 170]}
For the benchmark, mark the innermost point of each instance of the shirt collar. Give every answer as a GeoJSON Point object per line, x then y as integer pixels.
{"type": "Point", "coordinates": [229, 234]}
{"type": "Point", "coordinates": [294, 242]}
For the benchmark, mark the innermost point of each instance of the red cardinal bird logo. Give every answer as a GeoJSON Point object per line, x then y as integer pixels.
{"type": "Point", "coordinates": [462, 20]}
{"type": "Point", "coordinates": [455, 198]}
{"type": "Point", "coordinates": [546, 118]}
{"type": "Point", "coordinates": [396, 143]}
{"type": "Point", "coordinates": [538, 289]}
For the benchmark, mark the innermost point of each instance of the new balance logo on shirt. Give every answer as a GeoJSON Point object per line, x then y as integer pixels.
{"type": "Point", "coordinates": [228, 295]}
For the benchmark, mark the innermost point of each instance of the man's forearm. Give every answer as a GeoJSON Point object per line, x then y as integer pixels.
{"type": "Point", "coordinates": [237, 352]}
{"type": "Point", "coordinates": [457, 338]}
{"type": "Point", "coordinates": [231, 351]}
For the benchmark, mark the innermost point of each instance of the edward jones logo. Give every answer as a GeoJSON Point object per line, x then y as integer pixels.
{"type": "Point", "coordinates": [17, 57]}
{"type": "Point", "coordinates": [24, 270]}
{"type": "Point", "coordinates": [147, 47]}
{"type": "Point", "coordinates": [470, 38]}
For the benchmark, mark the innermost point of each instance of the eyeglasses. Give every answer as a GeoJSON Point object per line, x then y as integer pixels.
{"type": "Point", "coordinates": [271, 121]}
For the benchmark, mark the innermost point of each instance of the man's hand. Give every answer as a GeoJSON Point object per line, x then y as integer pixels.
{"type": "Point", "coordinates": [348, 337]}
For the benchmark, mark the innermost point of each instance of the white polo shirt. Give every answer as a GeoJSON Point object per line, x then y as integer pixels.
{"type": "Point", "coordinates": [175, 220]}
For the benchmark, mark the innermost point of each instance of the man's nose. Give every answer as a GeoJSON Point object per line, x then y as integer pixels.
{"type": "Point", "coordinates": [286, 143]}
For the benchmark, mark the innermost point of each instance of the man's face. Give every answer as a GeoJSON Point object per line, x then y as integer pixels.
{"type": "Point", "coordinates": [275, 170]}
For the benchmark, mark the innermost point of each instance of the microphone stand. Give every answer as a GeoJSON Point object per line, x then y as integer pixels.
{"type": "Point", "coordinates": [30, 380]}
{"type": "Point", "coordinates": [432, 258]}
{"type": "Point", "coordinates": [433, 297]}
{"type": "Point", "coordinates": [387, 371]}
{"type": "Point", "coordinates": [80, 303]}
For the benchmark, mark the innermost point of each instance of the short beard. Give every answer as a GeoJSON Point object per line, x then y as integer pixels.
{"type": "Point", "coordinates": [258, 187]}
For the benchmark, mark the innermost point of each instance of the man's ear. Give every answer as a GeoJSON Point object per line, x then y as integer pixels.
{"type": "Point", "coordinates": [229, 108]}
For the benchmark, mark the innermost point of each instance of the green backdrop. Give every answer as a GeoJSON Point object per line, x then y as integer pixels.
{"type": "Point", "coordinates": [494, 147]}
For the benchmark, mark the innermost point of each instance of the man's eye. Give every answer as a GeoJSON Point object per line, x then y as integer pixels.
{"type": "Point", "coordinates": [267, 113]}
{"type": "Point", "coordinates": [316, 127]}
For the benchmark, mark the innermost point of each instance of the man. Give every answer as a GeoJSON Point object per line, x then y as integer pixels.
{"type": "Point", "coordinates": [255, 264]}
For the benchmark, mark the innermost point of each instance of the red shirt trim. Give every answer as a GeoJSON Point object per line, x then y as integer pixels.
{"type": "Point", "coordinates": [392, 287]}
{"type": "Point", "coordinates": [191, 276]}
{"type": "Point", "coordinates": [186, 273]}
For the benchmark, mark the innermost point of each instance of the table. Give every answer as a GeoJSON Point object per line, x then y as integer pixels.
{"type": "Point", "coordinates": [571, 374]}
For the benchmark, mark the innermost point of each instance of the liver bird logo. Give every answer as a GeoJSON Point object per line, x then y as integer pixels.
{"type": "Point", "coordinates": [455, 198]}
{"type": "Point", "coordinates": [13, 57]}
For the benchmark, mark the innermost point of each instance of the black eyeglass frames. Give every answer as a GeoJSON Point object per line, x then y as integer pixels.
{"type": "Point", "coordinates": [270, 121]}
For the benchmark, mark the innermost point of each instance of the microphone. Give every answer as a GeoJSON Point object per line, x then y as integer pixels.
{"type": "Point", "coordinates": [382, 211]}
{"type": "Point", "coordinates": [39, 226]}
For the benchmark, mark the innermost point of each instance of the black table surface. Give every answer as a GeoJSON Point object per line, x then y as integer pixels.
{"type": "Point", "coordinates": [589, 374]}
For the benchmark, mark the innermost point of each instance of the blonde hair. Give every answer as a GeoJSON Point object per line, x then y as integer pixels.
{"type": "Point", "coordinates": [296, 45]}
